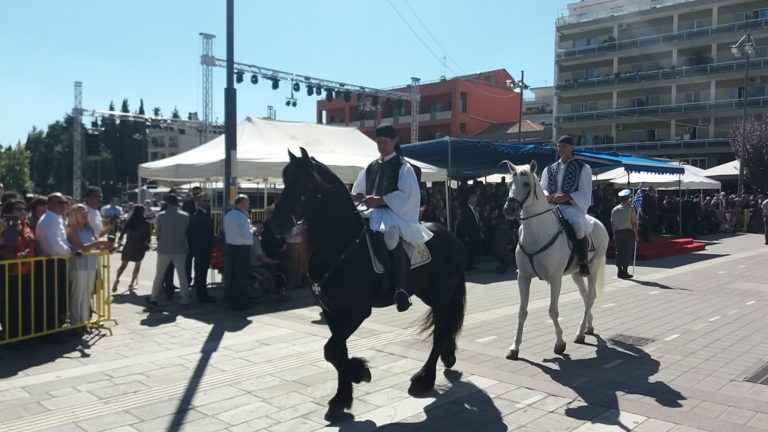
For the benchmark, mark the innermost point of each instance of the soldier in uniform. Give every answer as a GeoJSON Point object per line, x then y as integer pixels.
{"type": "Point", "coordinates": [390, 189]}
{"type": "Point", "coordinates": [568, 184]}
{"type": "Point", "coordinates": [624, 223]}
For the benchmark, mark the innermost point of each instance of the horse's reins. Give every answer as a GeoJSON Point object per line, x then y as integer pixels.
{"type": "Point", "coordinates": [549, 244]}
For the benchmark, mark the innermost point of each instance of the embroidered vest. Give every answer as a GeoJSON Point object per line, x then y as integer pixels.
{"type": "Point", "coordinates": [570, 179]}
{"type": "Point", "coordinates": [381, 178]}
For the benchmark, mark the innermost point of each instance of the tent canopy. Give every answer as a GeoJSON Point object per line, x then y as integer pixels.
{"type": "Point", "coordinates": [726, 171]}
{"type": "Point", "coordinates": [690, 179]}
{"type": "Point", "coordinates": [262, 153]}
{"type": "Point", "coordinates": [473, 158]}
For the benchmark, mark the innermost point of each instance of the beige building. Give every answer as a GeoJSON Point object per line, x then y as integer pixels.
{"type": "Point", "coordinates": [657, 77]}
{"type": "Point", "coordinates": [172, 137]}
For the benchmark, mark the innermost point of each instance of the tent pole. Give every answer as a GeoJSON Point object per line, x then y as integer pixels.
{"type": "Point", "coordinates": [448, 189]}
{"type": "Point", "coordinates": [265, 193]}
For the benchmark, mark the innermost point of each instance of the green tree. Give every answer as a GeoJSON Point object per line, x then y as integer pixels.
{"type": "Point", "coordinates": [175, 114]}
{"type": "Point", "coordinates": [752, 149]}
{"type": "Point", "coordinates": [14, 168]}
{"type": "Point", "coordinates": [50, 157]}
{"type": "Point", "coordinates": [141, 107]}
{"type": "Point", "coordinates": [157, 112]}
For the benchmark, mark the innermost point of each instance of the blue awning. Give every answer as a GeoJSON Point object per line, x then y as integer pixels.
{"type": "Point", "coordinates": [466, 158]}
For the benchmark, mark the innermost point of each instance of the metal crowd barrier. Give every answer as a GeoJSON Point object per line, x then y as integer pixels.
{"type": "Point", "coordinates": [42, 295]}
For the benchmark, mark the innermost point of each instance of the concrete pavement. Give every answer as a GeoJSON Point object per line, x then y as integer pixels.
{"type": "Point", "coordinates": [206, 368]}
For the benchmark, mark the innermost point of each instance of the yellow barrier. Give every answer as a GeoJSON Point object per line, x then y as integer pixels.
{"type": "Point", "coordinates": [42, 295]}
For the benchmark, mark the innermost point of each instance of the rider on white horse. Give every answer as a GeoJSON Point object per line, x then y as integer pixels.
{"type": "Point", "coordinates": [390, 189]}
{"type": "Point", "coordinates": [568, 183]}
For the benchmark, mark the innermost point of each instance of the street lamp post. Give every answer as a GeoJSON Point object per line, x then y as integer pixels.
{"type": "Point", "coordinates": [521, 86]}
{"type": "Point", "coordinates": [745, 47]}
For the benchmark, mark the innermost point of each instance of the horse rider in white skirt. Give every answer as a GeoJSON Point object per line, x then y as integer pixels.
{"type": "Point", "coordinates": [568, 184]}
{"type": "Point", "coordinates": [390, 189]}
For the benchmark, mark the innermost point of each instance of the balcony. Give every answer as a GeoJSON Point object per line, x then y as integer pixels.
{"type": "Point", "coordinates": [664, 111]}
{"type": "Point", "coordinates": [664, 74]}
{"type": "Point", "coordinates": [665, 147]}
{"type": "Point", "coordinates": [658, 40]}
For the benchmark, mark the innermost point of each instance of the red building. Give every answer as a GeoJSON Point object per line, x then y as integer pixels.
{"type": "Point", "coordinates": [460, 106]}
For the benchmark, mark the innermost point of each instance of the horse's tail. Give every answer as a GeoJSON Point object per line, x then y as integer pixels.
{"type": "Point", "coordinates": [600, 281]}
{"type": "Point", "coordinates": [455, 312]}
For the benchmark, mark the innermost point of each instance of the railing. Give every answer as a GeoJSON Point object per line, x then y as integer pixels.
{"type": "Point", "coordinates": [664, 74]}
{"type": "Point", "coordinates": [608, 12]}
{"type": "Point", "coordinates": [41, 296]}
{"type": "Point", "coordinates": [717, 143]}
{"type": "Point", "coordinates": [696, 108]}
{"type": "Point", "coordinates": [652, 41]}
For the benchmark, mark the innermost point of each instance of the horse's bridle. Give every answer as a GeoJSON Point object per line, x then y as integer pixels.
{"type": "Point", "coordinates": [525, 198]}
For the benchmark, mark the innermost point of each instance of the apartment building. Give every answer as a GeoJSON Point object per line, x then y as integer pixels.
{"type": "Point", "coordinates": [460, 106]}
{"type": "Point", "coordinates": [171, 137]}
{"type": "Point", "coordinates": [658, 77]}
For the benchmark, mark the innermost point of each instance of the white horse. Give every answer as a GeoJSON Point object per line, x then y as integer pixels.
{"type": "Point", "coordinates": [544, 251]}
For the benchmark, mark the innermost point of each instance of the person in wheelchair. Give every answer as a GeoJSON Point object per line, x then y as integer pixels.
{"type": "Point", "coordinates": [261, 263]}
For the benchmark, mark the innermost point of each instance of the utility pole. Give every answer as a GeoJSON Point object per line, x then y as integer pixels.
{"type": "Point", "coordinates": [77, 142]}
{"type": "Point", "coordinates": [208, 62]}
{"type": "Point", "coordinates": [230, 114]}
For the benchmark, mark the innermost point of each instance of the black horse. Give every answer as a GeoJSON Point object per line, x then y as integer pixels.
{"type": "Point", "coordinates": [345, 283]}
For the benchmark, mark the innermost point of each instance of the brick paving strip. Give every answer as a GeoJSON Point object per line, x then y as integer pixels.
{"type": "Point", "coordinates": [384, 342]}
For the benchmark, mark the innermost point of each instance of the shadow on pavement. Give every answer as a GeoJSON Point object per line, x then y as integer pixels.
{"type": "Point", "coordinates": [652, 284]}
{"type": "Point", "coordinates": [23, 355]}
{"type": "Point", "coordinates": [631, 375]}
{"type": "Point", "coordinates": [463, 406]}
{"type": "Point", "coordinates": [680, 260]}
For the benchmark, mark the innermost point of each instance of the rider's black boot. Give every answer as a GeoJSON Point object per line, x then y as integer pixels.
{"type": "Point", "coordinates": [400, 266]}
{"type": "Point", "coordinates": [582, 250]}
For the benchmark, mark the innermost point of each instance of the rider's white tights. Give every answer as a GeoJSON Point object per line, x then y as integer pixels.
{"type": "Point", "coordinates": [392, 237]}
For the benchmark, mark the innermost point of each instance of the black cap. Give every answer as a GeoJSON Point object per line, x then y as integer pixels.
{"type": "Point", "coordinates": [566, 139]}
{"type": "Point", "coordinates": [385, 131]}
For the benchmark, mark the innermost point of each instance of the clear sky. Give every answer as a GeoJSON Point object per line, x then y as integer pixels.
{"type": "Point", "coordinates": [151, 49]}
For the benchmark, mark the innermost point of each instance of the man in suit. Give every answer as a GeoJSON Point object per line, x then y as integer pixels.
{"type": "Point", "coordinates": [170, 228]}
{"type": "Point", "coordinates": [189, 206]}
{"type": "Point", "coordinates": [201, 240]}
{"type": "Point", "coordinates": [470, 230]}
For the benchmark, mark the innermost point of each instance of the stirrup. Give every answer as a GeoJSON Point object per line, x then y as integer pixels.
{"type": "Point", "coordinates": [402, 303]}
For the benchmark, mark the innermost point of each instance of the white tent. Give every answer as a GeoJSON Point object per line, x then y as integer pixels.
{"type": "Point", "coordinates": [262, 153]}
{"type": "Point", "coordinates": [690, 180]}
{"type": "Point", "coordinates": [726, 171]}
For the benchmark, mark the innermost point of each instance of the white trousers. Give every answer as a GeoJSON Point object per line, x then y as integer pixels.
{"type": "Point", "coordinates": [577, 219]}
{"type": "Point", "coordinates": [179, 261]}
{"type": "Point", "coordinates": [392, 236]}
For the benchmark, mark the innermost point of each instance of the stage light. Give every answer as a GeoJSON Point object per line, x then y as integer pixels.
{"type": "Point", "coordinates": [318, 90]}
{"type": "Point", "coordinates": [239, 77]}
{"type": "Point", "coordinates": [328, 94]}
{"type": "Point", "coordinates": [254, 79]}
{"type": "Point", "coordinates": [310, 90]}
{"type": "Point", "coordinates": [359, 97]}
{"type": "Point", "coordinates": [288, 103]}
{"type": "Point", "coordinates": [275, 83]}
{"type": "Point", "coordinates": [296, 87]}
{"type": "Point", "coordinates": [347, 96]}
{"type": "Point", "coordinates": [293, 104]}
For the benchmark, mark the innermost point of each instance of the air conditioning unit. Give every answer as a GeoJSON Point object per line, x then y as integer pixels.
{"type": "Point", "coordinates": [619, 126]}
{"type": "Point", "coordinates": [704, 122]}
{"type": "Point", "coordinates": [756, 80]}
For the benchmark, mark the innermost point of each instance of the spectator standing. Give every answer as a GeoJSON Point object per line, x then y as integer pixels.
{"type": "Point", "coordinates": [171, 228]}
{"type": "Point", "coordinates": [201, 241]}
{"type": "Point", "coordinates": [93, 198]}
{"type": "Point", "coordinates": [238, 235]}
{"type": "Point", "coordinates": [190, 206]}
{"type": "Point", "coordinates": [36, 208]}
{"type": "Point", "coordinates": [470, 230]}
{"type": "Point", "coordinates": [82, 270]}
{"type": "Point", "coordinates": [503, 244]}
{"type": "Point", "coordinates": [50, 232]}
{"type": "Point", "coordinates": [764, 206]}
{"type": "Point", "coordinates": [20, 245]}
{"type": "Point", "coordinates": [138, 232]}
{"type": "Point", "coordinates": [648, 214]}
{"type": "Point", "coordinates": [624, 224]}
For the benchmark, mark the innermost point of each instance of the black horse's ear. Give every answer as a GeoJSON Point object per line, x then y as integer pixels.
{"type": "Point", "coordinates": [291, 156]}
{"type": "Point", "coordinates": [533, 166]}
{"type": "Point", "coordinates": [304, 153]}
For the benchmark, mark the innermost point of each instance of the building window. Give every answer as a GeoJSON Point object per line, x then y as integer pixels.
{"type": "Point", "coordinates": [182, 131]}
{"type": "Point", "coordinates": [463, 102]}
{"type": "Point", "coordinates": [637, 136]}
{"type": "Point", "coordinates": [591, 74]}
{"type": "Point", "coordinates": [462, 129]}
{"type": "Point", "coordinates": [696, 24]}
{"type": "Point", "coordinates": [693, 96]}
{"type": "Point", "coordinates": [760, 14]}
{"type": "Point", "coordinates": [173, 142]}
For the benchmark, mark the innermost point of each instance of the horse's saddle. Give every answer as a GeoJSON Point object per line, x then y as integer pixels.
{"type": "Point", "coordinates": [418, 254]}
{"type": "Point", "coordinates": [570, 234]}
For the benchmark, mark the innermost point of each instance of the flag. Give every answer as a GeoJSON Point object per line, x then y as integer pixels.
{"type": "Point", "coordinates": [637, 203]}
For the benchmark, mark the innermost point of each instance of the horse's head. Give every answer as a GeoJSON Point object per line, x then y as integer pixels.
{"type": "Point", "coordinates": [523, 188]}
{"type": "Point", "coordinates": [307, 189]}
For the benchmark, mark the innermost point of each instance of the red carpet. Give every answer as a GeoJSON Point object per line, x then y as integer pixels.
{"type": "Point", "coordinates": [662, 247]}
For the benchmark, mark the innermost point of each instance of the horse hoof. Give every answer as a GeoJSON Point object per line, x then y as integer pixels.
{"type": "Point", "coordinates": [590, 331]}
{"type": "Point", "coordinates": [559, 349]}
{"type": "Point", "coordinates": [336, 414]}
{"type": "Point", "coordinates": [579, 339]}
{"type": "Point", "coordinates": [448, 360]}
{"type": "Point", "coordinates": [419, 387]}
{"type": "Point", "coordinates": [512, 355]}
